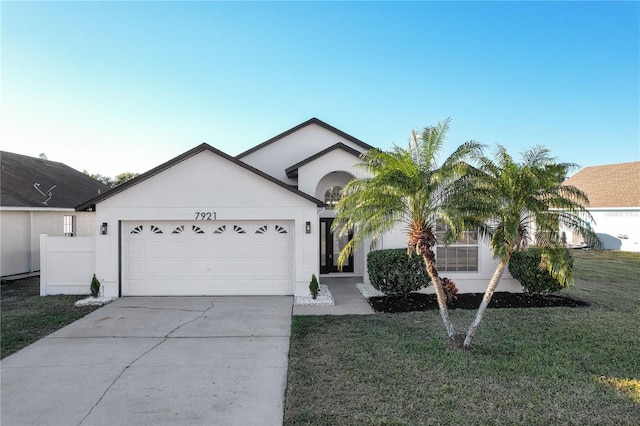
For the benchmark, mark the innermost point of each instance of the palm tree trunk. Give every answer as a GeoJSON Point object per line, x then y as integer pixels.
{"type": "Point", "coordinates": [442, 299]}
{"type": "Point", "coordinates": [495, 279]}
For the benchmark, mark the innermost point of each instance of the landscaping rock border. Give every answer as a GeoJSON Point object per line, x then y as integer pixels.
{"type": "Point", "coordinates": [324, 298]}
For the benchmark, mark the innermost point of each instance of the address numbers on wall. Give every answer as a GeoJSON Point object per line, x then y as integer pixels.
{"type": "Point", "coordinates": [205, 215]}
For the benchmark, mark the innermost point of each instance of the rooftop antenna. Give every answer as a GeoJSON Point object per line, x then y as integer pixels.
{"type": "Point", "coordinates": [48, 193]}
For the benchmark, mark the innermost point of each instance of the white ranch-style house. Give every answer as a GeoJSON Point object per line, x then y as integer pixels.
{"type": "Point", "coordinates": [207, 223]}
{"type": "Point", "coordinates": [614, 204]}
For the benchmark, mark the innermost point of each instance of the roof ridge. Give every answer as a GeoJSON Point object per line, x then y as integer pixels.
{"type": "Point", "coordinates": [294, 129]}
{"type": "Point", "coordinates": [337, 145]}
{"type": "Point", "coordinates": [182, 157]}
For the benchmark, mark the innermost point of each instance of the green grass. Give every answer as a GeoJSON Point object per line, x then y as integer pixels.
{"type": "Point", "coordinates": [574, 366]}
{"type": "Point", "coordinates": [530, 366]}
{"type": "Point", "coordinates": [26, 317]}
{"type": "Point", "coordinates": [607, 266]}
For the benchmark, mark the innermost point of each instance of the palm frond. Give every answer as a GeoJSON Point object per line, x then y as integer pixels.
{"type": "Point", "coordinates": [536, 157]}
{"type": "Point", "coordinates": [526, 202]}
{"type": "Point", "coordinates": [432, 141]}
{"type": "Point", "coordinates": [404, 185]}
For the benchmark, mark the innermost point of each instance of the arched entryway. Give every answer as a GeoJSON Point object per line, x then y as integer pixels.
{"type": "Point", "coordinates": [329, 190]}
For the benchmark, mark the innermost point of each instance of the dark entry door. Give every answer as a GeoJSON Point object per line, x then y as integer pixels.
{"type": "Point", "coordinates": [330, 247]}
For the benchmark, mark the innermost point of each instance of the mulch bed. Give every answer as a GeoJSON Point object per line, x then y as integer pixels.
{"type": "Point", "coordinates": [425, 302]}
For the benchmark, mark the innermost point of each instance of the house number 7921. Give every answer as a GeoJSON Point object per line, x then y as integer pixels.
{"type": "Point", "coordinates": [205, 215]}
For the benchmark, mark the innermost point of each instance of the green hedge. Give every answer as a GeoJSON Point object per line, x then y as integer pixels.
{"type": "Point", "coordinates": [394, 273]}
{"type": "Point", "coordinates": [525, 267]}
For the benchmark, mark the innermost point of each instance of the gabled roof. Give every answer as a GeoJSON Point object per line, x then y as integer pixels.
{"type": "Point", "coordinates": [36, 183]}
{"type": "Point", "coordinates": [90, 204]}
{"type": "Point", "coordinates": [313, 120]}
{"type": "Point", "coordinates": [293, 170]}
{"type": "Point", "coordinates": [611, 185]}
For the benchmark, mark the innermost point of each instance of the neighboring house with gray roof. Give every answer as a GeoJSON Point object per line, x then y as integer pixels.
{"type": "Point", "coordinates": [39, 196]}
{"type": "Point", "coordinates": [614, 203]}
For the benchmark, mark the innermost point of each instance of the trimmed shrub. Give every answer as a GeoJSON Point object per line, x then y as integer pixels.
{"type": "Point", "coordinates": [526, 266]}
{"type": "Point", "coordinates": [394, 273]}
{"type": "Point", "coordinates": [314, 287]}
{"type": "Point", "coordinates": [95, 286]}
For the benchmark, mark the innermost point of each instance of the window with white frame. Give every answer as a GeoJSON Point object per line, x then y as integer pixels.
{"type": "Point", "coordinates": [69, 226]}
{"type": "Point", "coordinates": [460, 255]}
{"type": "Point", "coordinates": [332, 196]}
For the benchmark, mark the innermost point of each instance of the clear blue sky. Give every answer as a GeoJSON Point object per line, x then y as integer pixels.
{"type": "Point", "coordinates": [124, 86]}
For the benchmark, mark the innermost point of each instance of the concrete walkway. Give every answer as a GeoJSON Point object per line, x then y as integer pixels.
{"type": "Point", "coordinates": [349, 300]}
{"type": "Point", "coordinates": [156, 361]}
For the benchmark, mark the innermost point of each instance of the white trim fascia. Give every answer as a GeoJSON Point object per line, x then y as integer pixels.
{"type": "Point", "coordinates": [607, 209]}
{"type": "Point", "coordinates": [39, 209]}
{"type": "Point", "coordinates": [618, 209]}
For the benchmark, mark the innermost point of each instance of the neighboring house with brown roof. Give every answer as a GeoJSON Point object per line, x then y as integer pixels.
{"type": "Point", "coordinates": [38, 196]}
{"type": "Point", "coordinates": [614, 203]}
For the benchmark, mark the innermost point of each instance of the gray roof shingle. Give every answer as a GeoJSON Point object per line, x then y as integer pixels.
{"type": "Point", "coordinates": [28, 181]}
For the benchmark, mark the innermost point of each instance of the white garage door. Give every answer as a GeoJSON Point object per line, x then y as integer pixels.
{"type": "Point", "coordinates": [191, 258]}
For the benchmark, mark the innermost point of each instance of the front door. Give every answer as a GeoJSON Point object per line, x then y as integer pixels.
{"type": "Point", "coordinates": [330, 247]}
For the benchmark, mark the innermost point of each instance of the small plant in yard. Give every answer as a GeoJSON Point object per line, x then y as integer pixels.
{"type": "Point", "coordinates": [450, 289]}
{"type": "Point", "coordinates": [313, 286]}
{"type": "Point", "coordinates": [95, 286]}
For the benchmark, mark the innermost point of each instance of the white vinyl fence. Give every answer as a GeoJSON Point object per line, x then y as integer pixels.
{"type": "Point", "coordinates": [67, 264]}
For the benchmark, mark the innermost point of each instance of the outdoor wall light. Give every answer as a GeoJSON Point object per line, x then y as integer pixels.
{"type": "Point", "coordinates": [308, 227]}
{"type": "Point", "coordinates": [103, 228]}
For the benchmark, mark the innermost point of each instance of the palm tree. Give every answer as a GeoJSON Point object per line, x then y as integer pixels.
{"type": "Point", "coordinates": [406, 186]}
{"type": "Point", "coordinates": [514, 204]}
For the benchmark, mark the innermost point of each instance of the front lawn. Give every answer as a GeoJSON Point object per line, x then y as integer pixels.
{"type": "Point", "coordinates": [558, 365]}
{"type": "Point", "coordinates": [26, 317]}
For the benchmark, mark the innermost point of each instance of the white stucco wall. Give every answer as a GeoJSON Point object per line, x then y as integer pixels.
{"type": "Point", "coordinates": [20, 231]}
{"type": "Point", "coordinates": [618, 229]}
{"type": "Point", "coordinates": [273, 159]}
{"type": "Point", "coordinates": [207, 183]}
{"type": "Point", "coordinates": [15, 248]}
{"type": "Point", "coordinates": [310, 174]}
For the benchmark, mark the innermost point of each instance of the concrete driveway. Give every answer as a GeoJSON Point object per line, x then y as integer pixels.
{"type": "Point", "coordinates": [154, 361]}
